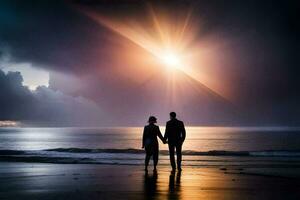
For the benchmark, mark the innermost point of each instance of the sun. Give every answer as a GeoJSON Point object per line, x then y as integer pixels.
{"type": "Point", "coordinates": [170, 59]}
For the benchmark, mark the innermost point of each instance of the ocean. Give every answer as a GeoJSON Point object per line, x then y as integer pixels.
{"type": "Point", "coordinates": [204, 146]}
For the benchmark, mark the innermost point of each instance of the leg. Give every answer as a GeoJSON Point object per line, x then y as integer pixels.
{"type": "Point", "coordinates": [172, 158]}
{"type": "Point", "coordinates": [147, 158]}
{"type": "Point", "coordinates": [155, 157]}
{"type": "Point", "coordinates": [179, 155]}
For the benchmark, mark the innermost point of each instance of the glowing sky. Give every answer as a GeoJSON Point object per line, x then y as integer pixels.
{"type": "Point", "coordinates": [169, 40]}
{"type": "Point", "coordinates": [213, 62]}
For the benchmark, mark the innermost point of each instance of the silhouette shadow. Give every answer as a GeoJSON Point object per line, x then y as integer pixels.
{"type": "Point", "coordinates": [150, 185]}
{"type": "Point", "coordinates": [174, 185]}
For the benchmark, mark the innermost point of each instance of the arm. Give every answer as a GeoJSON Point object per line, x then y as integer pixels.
{"type": "Point", "coordinates": [144, 138]}
{"type": "Point", "coordinates": [183, 133]}
{"type": "Point", "coordinates": [166, 132]}
{"type": "Point", "coordinates": [160, 135]}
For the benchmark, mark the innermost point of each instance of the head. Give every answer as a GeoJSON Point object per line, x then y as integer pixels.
{"type": "Point", "coordinates": [172, 115]}
{"type": "Point", "coordinates": [152, 120]}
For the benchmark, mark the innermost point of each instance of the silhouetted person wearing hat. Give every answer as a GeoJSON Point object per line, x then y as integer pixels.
{"type": "Point", "coordinates": [175, 134]}
{"type": "Point", "coordinates": [150, 142]}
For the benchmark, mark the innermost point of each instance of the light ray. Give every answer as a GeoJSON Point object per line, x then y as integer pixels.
{"type": "Point", "coordinates": [161, 47]}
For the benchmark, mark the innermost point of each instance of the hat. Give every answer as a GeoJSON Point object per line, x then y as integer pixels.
{"type": "Point", "coordinates": [152, 119]}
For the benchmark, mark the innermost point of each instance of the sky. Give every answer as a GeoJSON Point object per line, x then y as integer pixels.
{"type": "Point", "coordinates": [115, 63]}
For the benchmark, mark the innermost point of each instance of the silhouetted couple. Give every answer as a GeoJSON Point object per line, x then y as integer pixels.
{"type": "Point", "coordinates": [174, 136]}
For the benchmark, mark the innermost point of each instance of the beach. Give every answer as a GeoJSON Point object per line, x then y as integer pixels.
{"type": "Point", "coordinates": [107, 163]}
{"type": "Point", "coordinates": [87, 181]}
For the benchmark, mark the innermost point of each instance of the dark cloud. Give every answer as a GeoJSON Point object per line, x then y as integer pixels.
{"type": "Point", "coordinates": [50, 34]}
{"type": "Point", "coordinates": [43, 106]}
{"type": "Point", "coordinates": [15, 99]}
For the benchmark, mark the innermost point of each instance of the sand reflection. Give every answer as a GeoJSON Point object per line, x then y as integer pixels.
{"type": "Point", "coordinates": [174, 185]}
{"type": "Point", "coordinates": [150, 185]}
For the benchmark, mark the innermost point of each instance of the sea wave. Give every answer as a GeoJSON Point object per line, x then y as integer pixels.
{"type": "Point", "coordinates": [285, 153]}
{"type": "Point", "coordinates": [268, 153]}
{"type": "Point", "coordinates": [136, 157]}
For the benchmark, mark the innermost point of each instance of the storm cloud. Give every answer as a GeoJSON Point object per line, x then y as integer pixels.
{"type": "Point", "coordinates": [43, 106]}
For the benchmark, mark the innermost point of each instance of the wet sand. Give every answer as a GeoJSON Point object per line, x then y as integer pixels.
{"type": "Point", "coordinates": [87, 181]}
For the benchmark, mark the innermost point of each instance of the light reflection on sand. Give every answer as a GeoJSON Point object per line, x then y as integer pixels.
{"type": "Point", "coordinates": [80, 181]}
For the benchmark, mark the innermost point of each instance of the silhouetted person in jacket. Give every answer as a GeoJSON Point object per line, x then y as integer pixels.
{"type": "Point", "coordinates": [150, 142]}
{"type": "Point", "coordinates": [175, 135]}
